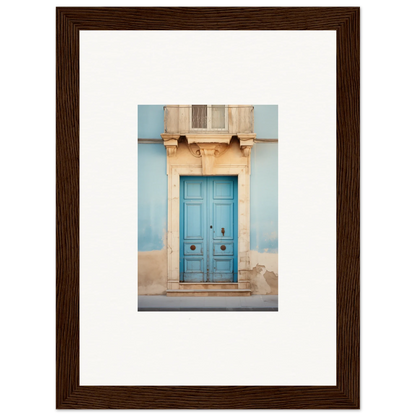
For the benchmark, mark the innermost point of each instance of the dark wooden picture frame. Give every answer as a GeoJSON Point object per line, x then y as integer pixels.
{"type": "Point", "coordinates": [69, 394]}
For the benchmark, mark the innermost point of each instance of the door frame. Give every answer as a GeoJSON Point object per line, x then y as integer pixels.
{"type": "Point", "coordinates": [208, 240]}
{"type": "Point", "coordinates": [174, 171]}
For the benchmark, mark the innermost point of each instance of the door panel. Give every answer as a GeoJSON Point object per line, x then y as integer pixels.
{"type": "Point", "coordinates": [223, 249]}
{"type": "Point", "coordinates": [224, 238]}
{"type": "Point", "coordinates": [208, 229]}
{"type": "Point", "coordinates": [194, 189]}
{"type": "Point", "coordinates": [223, 220]}
{"type": "Point", "coordinates": [194, 269]}
{"type": "Point", "coordinates": [194, 220]}
{"type": "Point", "coordinates": [223, 189]}
{"type": "Point", "coordinates": [193, 249]}
{"type": "Point", "coordinates": [222, 266]}
{"type": "Point", "coordinates": [193, 224]}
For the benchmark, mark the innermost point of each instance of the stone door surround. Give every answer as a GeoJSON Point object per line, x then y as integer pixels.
{"type": "Point", "coordinates": [208, 148]}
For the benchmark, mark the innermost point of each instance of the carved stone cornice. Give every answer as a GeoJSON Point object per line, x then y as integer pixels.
{"type": "Point", "coordinates": [209, 138]}
{"type": "Point", "coordinates": [195, 149]}
{"type": "Point", "coordinates": [210, 146]}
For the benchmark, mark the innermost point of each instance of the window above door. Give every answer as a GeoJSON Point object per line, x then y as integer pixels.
{"type": "Point", "coordinates": [209, 117]}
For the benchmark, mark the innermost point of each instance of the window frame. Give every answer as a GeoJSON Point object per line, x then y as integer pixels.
{"type": "Point", "coordinates": [209, 119]}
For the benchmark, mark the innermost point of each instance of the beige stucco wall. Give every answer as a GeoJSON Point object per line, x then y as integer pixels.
{"type": "Point", "coordinates": [263, 275]}
{"type": "Point", "coordinates": [153, 272]}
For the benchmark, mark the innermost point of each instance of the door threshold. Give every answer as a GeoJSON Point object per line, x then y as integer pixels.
{"type": "Point", "coordinates": [207, 286]}
{"type": "Point", "coordinates": [209, 292]}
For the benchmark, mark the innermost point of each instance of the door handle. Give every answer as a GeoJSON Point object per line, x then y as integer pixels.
{"type": "Point", "coordinates": [223, 231]}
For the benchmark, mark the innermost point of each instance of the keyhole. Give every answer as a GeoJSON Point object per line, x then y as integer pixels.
{"type": "Point", "coordinates": [223, 231]}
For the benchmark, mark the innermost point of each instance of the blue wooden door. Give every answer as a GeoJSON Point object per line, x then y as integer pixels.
{"type": "Point", "coordinates": [208, 229]}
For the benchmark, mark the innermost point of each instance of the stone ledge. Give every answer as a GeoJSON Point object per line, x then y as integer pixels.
{"type": "Point", "coordinates": [209, 292]}
{"type": "Point", "coordinates": [207, 286]}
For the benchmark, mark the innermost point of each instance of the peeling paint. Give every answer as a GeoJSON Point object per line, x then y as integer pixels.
{"type": "Point", "coordinates": [271, 279]}
{"type": "Point", "coordinates": [152, 267]}
{"type": "Point", "coordinates": [263, 274]}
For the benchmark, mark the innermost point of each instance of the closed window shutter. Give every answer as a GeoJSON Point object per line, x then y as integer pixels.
{"type": "Point", "coordinates": [199, 116]}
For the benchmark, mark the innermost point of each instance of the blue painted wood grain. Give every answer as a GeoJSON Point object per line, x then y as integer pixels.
{"type": "Point", "coordinates": [208, 229]}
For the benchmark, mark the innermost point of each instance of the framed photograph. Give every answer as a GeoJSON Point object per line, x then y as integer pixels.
{"type": "Point", "coordinates": [210, 173]}
{"type": "Point", "coordinates": [207, 208]}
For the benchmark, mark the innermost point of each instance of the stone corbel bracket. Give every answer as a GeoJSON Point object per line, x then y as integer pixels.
{"type": "Point", "coordinates": [171, 143]}
{"type": "Point", "coordinates": [210, 146]}
{"type": "Point", "coordinates": [246, 142]}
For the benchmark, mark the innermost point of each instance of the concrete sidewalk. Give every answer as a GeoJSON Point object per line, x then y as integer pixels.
{"type": "Point", "coordinates": [208, 303]}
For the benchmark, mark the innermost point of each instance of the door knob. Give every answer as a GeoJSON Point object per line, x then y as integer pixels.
{"type": "Point", "coordinates": [223, 231]}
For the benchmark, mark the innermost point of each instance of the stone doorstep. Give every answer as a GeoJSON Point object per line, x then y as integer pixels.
{"type": "Point", "coordinates": [207, 286]}
{"type": "Point", "coordinates": [209, 292]}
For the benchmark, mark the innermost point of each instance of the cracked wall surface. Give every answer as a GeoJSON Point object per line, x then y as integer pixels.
{"type": "Point", "coordinates": [263, 275]}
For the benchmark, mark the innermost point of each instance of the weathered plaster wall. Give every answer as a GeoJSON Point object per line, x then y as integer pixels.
{"type": "Point", "coordinates": [152, 201]}
{"type": "Point", "coordinates": [264, 201]}
{"type": "Point", "coordinates": [152, 196]}
{"type": "Point", "coordinates": [152, 218]}
{"type": "Point", "coordinates": [264, 266]}
{"type": "Point", "coordinates": [153, 272]}
{"type": "Point", "coordinates": [264, 220]}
